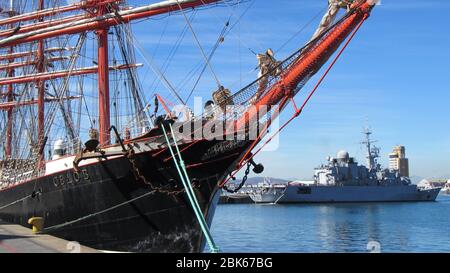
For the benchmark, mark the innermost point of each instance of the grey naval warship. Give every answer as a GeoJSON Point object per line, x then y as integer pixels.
{"type": "Point", "coordinates": [343, 180]}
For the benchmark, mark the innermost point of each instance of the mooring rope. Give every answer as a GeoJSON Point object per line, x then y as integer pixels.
{"type": "Point", "coordinates": [18, 201]}
{"type": "Point", "coordinates": [55, 227]}
{"type": "Point", "coordinates": [189, 191]}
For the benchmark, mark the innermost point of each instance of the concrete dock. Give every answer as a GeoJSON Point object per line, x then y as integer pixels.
{"type": "Point", "coordinates": [19, 239]}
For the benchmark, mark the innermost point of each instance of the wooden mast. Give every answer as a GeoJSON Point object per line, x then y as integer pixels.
{"type": "Point", "coordinates": [10, 97]}
{"type": "Point", "coordinates": [17, 55]}
{"type": "Point", "coordinates": [36, 26]}
{"type": "Point", "coordinates": [13, 65]}
{"type": "Point", "coordinates": [41, 13]}
{"type": "Point", "coordinates": [60, 74]}
{"type": "Point", "coordinates": [40, 87]}
{"type": "Point", "coordinates": [103, 82]}
{"type": "Point", "coordinates": [103, 19]}
{"type": "Point", "coordinates": [108, 20]}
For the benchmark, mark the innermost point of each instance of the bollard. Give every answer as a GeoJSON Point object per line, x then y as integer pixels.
{"type": "Point", "coordinates": [37, 223]}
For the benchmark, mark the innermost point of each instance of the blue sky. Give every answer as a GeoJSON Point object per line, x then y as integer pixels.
{"type": "Point", "coordinates": [394, 76]}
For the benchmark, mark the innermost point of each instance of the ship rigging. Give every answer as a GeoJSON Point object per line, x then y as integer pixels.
{"type": "Point", "coordinates": [70, 81]}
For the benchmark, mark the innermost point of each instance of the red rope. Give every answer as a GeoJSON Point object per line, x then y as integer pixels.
{"type": "Point", "coordinates": [261, 133]}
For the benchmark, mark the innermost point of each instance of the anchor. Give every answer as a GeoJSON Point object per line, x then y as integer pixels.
{"type": "Point", "coordinates": [257, 168]}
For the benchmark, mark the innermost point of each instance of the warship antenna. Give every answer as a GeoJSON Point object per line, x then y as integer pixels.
{"type": "Point", "coordinates": [372, 151]}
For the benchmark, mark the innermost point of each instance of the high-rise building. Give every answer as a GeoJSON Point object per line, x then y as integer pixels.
{"type": "Point", "coordinates": [398, 161]}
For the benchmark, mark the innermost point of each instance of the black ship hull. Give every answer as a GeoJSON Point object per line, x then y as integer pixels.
{"type": "Point", "coordinates": [158, 222]}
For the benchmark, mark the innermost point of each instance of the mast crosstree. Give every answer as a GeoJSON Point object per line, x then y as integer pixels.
{"type": "Point", "coordinates": [49, 23]}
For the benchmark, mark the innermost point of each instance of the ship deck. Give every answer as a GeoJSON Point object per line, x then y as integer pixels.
{"type": "Point", "coordinates": [18, 239]}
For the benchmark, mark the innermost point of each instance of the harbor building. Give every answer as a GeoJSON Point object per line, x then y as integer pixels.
{"type": "Point", "coordinates": [398, 161]}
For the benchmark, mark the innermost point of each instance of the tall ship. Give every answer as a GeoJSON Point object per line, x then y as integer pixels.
{"type": "Point", "coordinates": [88, 154]}
{"type": "Point", "coordinates": [342, 179]}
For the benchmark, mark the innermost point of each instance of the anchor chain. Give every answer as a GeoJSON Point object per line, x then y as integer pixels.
{"type": "Point", "coordinates": [139, 177]}
{"type": "Point", "coordinates": [244, 179]}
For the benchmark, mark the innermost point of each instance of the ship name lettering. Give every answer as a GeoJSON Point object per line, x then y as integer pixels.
{"type": "Point", "coordinates": [60, 180]}
{"type": "Point", "coordinates": [222, 147]}
{"type": "Point", "coordinates": [69, 178]}
{"type": "Point", "coordinates": [85, 175]}
{"type": "Point", "coordinates": [76, 176]}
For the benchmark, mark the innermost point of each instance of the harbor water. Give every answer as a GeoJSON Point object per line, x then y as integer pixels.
{"type": "Point", "coordinates": [353, 227]}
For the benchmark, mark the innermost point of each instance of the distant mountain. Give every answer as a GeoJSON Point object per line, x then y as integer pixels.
{"type": "Point", "coordinates": [416, 179]}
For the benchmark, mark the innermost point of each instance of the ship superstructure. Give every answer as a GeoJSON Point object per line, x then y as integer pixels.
{"type": "Point", "coordinates": [342, 179]}
{"type": "Point", "coordinates": [345, 170]}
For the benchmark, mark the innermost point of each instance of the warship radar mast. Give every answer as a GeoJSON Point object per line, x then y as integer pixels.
{"type": "Point", "coordinates": [373, 152]}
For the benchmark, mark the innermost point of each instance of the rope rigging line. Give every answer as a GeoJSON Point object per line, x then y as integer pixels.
{"type": "Point", "coordinates": [301, 29]}
{"type": "Point", "coordinates": [241, 16]}
{"type": "Point", "coordinates": [194, 70]}
{"type": "Point", "coordinates": [190, 75]}
{"type": "Point", "coordinates": [285, 64]}
{"type": "Point", "coordinates": [237, 21]}
{"type": "Point", "coordinates": [19, 200]}
{"type": "Point", "coordinates": [211, 54]}
{"type": "Point", "coordinates": [55, 227]}
{"type": "Point", "coordinates": [279, 49]}
{"type": "Point", "coordinates": [199, 46]}
{"type": "Point", "coordinates": [163, 33]}
{"type": "Point", "coordinates": [298, 111]}
{"type": "Point", "coordinates": [63, 88]}
{"type": "Point", "coordinates": [179, 164]}
{"type": "Point", "coordinates": [174, 51]}
{"type": "Point", "coordinates": [150, 61]}
{"type": "Point", "coordinates": [284, 44]}
{"type": "Point", "coordinates": [225, 31]}
{"type": "Point", "coordinates": [135, 87]}
{"type": "Point", "coordinates": [28, 153]}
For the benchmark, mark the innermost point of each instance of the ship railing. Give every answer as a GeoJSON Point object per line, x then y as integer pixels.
{"type": "Point", "coordinates": [135, 127]}
{"type": "Point", "coordinates": [75, 146]}
{"type": "Point", "coordinates": [16, 171]}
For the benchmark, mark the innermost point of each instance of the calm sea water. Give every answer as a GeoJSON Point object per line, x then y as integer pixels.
{"type": "Point", "coordinates": [396, 227]}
